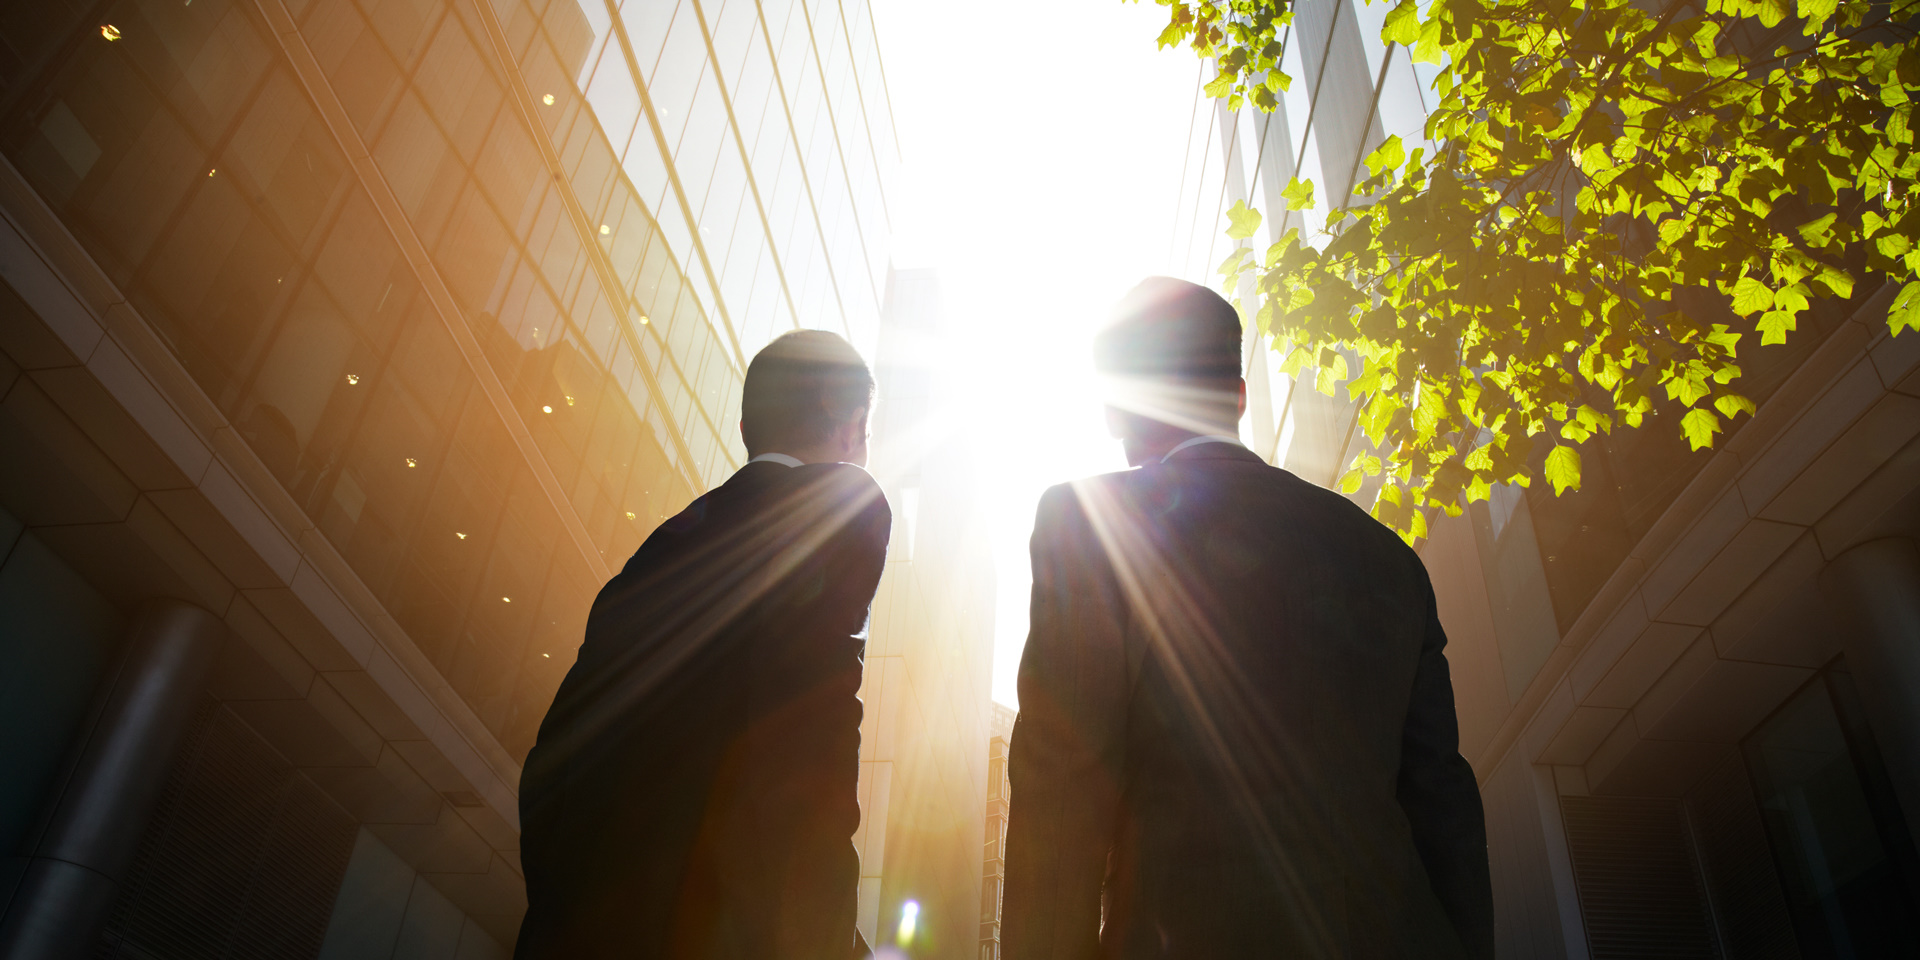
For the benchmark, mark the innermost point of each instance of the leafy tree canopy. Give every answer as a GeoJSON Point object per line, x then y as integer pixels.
{"type": "Point", "coordinates": [1594, 158]}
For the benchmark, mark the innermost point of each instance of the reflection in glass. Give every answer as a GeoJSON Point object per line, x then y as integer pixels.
{"type": "Point", "coordinates": [1843, 851]}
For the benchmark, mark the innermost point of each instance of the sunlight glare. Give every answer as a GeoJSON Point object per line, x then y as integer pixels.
{"type": "Point", "coordinates": [909, 921]}
{"type": "Point", "coordinates": [1042, 187]}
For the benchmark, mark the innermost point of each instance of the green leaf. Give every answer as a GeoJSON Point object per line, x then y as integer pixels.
{"type": "Point", "coordinates": [1792, 299]}
{"type": "Point", "coordinates": [1497, 284]}
{"type": "Point", "coordinates": [1724, 339]}
{"type": "Point", "coordinates": [1704, 39]}
{"type": "Point", "coordinates": [1905, 312]}
{"type": "Point", "coordinates": [1818, 232]}
{"type": "Point", "coordinates": [1331, 375]}
{"type": "Point", "coordinates": [1774, 326]}
{"type": "Point", "coordinates": [1235, 262]}
{"type": "Point", "coordinates": [1351, 480]}
{"type": "Point", "coordinates": [1699, 426]}
{"type": "Point", "coordinates": [1390, 156]}
{"type": "Point", "coordinates": [1298, 194]}
{"type": "Point", "coordinates": [1751, 296]}
{"type": "Point", "coordinates": [1731, 404]}
{"type": "Point", "coordinates": [1817, 13]}
{"type": "Point", "coordinates": [1837, 280]}
{"type": "Point", "coordinates": [1245, 220]}
{"type": "Point", "coordinates": [1403, 24]}
{"type": "Point", "coordinates": [1563, 469]}
{"type": "Point", "coordinates": [1428, 49]}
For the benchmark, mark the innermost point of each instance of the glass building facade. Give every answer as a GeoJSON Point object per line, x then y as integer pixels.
{"type": "Point", "coordinates": [993, 870]}
{"type": "Point", "coordinates": [457, 295]}
{"type": "Point", "coordinates": [927, 687]}
{"type": "Point", "coordinates": [1682, 685]}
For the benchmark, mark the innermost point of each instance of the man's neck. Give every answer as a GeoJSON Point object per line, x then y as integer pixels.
{"type": "Point", "coordinates": [779, 458]}
{"type": "Point", "coordinates": [1153, 449]}
{"type": "Point", "coordinates": [818, 453]}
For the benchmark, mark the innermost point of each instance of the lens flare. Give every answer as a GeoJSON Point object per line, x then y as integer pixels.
{"type": "Point", "coordinates": [909, 921]}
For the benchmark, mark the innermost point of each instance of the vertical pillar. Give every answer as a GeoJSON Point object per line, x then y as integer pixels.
{"type": "Point", "coordinates": [1875, 590]}
{"type": "Point", "coordinates": [98, 814]}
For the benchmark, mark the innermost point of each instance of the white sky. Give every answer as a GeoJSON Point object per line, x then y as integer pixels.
{"type": "Point", "coordinates": [1043, 143]}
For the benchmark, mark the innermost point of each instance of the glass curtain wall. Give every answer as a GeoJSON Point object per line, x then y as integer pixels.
{"type": "Point", "coordinates": [1371, 89]}
{"type": "Point", "coordinates": [1844, 851]}
{"type": "Point", "coordinates": [474, 280]}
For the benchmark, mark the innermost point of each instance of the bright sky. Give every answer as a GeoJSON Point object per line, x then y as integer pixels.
{"type": "Point", "coordinates": [1043, 143]}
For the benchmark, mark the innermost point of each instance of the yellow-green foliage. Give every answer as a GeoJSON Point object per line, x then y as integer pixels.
{"type": "Point", "coordinates": [1593, 159]}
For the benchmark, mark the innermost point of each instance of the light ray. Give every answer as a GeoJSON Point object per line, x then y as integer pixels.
{"type": "Point", "coordinates": [1172, 610]}
{"type": "Point", "coordinates": [736, 571]}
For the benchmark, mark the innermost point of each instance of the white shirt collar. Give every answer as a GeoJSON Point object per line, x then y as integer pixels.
{"type": "Point", "coordinates": [779, 458]}
{"type": "Point", "coordinates": [1196, 441]}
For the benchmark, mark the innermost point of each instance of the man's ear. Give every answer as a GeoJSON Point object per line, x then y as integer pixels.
{"type": "Point", "coordinates": [848, 434]}
{"type": "Point", "coordinates": [1240, 407]}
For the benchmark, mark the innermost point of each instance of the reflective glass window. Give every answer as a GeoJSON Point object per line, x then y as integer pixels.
{"type": "Point", "coordinates": [672, 82]}
{"type": "Point", "coordinates": [647, 22]}
{"type": "Point", "coordinates": [700, 145]}
{"type": "Point", "coordinates": [513, 173]}
{"type": "Point", "coordinates": [459, 88]}
{"type": "Point", "coordinates": [419, 167]}
{"type": "Point", "coordinates": [575, 28]}
{"type": "Point", "coordinates": [1845, 853]}
{"type": "Point", "coordinates": [734, 27]}
{"type": "Point", "coordinates": [362, 72]}
{"type": "Point", "coordinates": [615, 101]}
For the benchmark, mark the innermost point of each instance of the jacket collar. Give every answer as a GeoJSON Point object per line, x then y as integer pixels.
{"type": "Point", "coordinates": [1213, 451]}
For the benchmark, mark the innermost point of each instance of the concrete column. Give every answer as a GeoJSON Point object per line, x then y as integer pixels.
{"type": "Point", "coordinates": [99, 813]}
{"type": "Point", "coordinates": [1875, 590]}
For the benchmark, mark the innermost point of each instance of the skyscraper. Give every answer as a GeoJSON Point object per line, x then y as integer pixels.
{"type": "Point", "coordinates": [929, 677]}
{"type": "Point", "coordinates": [993, 870]}
{"type": "Point", "coordinates": [370, 336]}
{"type": "Point", "coordinates": [1687, 687]}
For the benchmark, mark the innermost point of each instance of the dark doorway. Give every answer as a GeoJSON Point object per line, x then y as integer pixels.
{"type": "Point", "coordinates": [1844, 853]}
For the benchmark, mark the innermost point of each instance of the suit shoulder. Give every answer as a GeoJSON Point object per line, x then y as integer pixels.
{"type": "Point", "coordinates": [1064, 499]}
{"type": "Point", "coordinates": [846, 482]}
{"type": "Point", "coordinates": [1068, 502]}
{"type": "Point", "coordinates": [689, 517]}
{"type": "Point", "coordinates": [1354, 519]}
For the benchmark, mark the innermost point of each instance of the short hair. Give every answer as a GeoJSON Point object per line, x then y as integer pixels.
{"type": "Point", "coordinates": [800, 387]}
{"type": "Point", "coordinates": [1168, 328]}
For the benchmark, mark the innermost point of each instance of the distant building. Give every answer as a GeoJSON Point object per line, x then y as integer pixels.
{"type": "Point", "coordinates": [999, 794]}
{"type": "Point", "coordinates": [928, 686]}
{"type": "Point", "coordinates": [374, 336]}
{"type": "Point", "coordinates": [1687, 689]}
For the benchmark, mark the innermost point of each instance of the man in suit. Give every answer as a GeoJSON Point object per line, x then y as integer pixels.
{"type": "Point", "coordinates": [692, 791]}
{"type": "Point", "coordinates": [1236, 733]}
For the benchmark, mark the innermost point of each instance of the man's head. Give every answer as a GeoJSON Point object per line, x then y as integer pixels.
{"type": "Point", "coordinates": [1171, 357]}
{"type": "Point", "coordinates": [807, 395]}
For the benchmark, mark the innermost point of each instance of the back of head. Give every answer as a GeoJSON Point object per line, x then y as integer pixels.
{"type": "Point", "coordinates": [1166, 327]}
{"type": "Point", "coordinates": [1172, 355]}
{"type": "Point", "coordinates": [799, 388]}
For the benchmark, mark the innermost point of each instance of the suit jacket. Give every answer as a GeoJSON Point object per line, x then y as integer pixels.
{"type": "Point", "coordinates": [1236, 733]}
{"type": "Point", "coordinates": [692, 790]}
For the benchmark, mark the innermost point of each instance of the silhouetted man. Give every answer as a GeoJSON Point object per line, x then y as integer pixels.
{"type": "Point", "coordinates": [1236, 733]}
{"type": "Point", "coordinates": [692, 792]}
